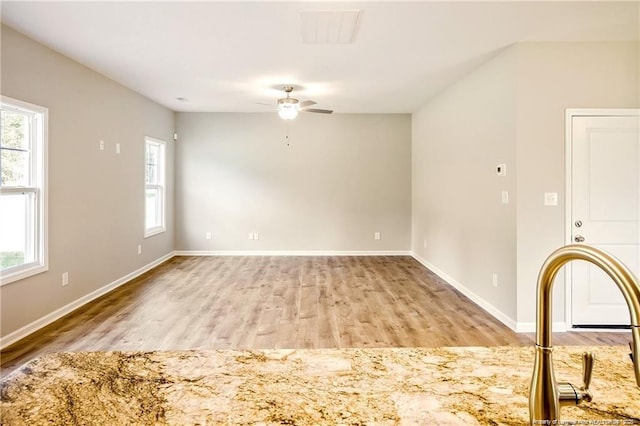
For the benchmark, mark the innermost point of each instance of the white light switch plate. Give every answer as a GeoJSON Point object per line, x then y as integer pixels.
{"type": "Point", "coordinates": [550, 198]}
{"type": "Point", "coordinates": [505, 197]}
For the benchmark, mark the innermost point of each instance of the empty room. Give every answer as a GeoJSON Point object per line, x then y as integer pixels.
{"type": "Point", "coordinates": [320, 213]}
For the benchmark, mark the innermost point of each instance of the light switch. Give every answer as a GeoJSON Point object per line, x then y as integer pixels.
{"type": "Point", "coordinates": [550, 198]}
{"type": "Point", "coordinates": [505, 197]}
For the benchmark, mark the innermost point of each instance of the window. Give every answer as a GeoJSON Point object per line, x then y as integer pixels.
{"type": "Point", "coordinates": [154, 172]}
{"type": "Point", "coordinates": [23, 190]}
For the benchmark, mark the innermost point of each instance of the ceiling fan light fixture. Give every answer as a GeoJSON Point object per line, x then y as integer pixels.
{"type": "Point", "coordinates": [289, 107]}
{"type": "Point", "coordinates": [288, 111]}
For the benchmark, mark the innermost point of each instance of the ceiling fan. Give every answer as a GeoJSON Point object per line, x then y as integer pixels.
{"type": "Point", "coordinates": [289, 107]}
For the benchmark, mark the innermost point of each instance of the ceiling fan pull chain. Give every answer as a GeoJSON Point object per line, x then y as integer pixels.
{"type": "Point", "coordinates": [286, 137]}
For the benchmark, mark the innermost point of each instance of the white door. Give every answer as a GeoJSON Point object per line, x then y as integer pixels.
{"type": "Point", "coordinates": [605, 211]}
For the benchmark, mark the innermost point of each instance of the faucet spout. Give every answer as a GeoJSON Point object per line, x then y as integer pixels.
{"type": "Point", "coordinates": [545, 397]}
{"type": "Point", "coordinates": [635, 351]}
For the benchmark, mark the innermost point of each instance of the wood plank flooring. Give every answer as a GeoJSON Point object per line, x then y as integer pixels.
{"type": "Point", "coordinates": [280, 302]}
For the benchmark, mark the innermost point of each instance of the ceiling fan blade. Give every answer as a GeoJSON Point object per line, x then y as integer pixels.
{"type": "Point", "coordinates": [321, 111]}
{"type": "Point", "coordinates": [264, 103]}
{"type": "Point", "coordinates": [306, 104]}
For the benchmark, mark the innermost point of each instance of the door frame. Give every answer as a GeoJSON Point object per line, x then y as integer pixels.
{"type": "Point", "coordinates": [570, 113]}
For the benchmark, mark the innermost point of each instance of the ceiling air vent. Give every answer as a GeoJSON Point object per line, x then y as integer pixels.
{"type": "Point", "coordinates": [329, 26]}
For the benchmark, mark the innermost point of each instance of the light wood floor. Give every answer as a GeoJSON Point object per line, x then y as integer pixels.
{"type": "Point", "coordinates": [280, 302]}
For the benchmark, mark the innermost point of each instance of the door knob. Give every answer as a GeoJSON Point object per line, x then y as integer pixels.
{"type": "Point", "coordinates": [578, 239]}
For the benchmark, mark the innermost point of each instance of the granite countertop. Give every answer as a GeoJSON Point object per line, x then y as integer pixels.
{"type": "Point", "coordinates": [442, 386]}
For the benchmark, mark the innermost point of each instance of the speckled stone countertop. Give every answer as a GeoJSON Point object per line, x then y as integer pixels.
{"type": "Point", "coordinates": [443, 386]}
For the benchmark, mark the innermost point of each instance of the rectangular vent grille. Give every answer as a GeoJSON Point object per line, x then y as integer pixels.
{"type": "Point", "coordinates": [329, 26]}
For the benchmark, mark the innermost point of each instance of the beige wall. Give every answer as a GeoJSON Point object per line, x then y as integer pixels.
{"type": "Point", "coordinates": [551, 78]}
{"type": "Point", "coordinates": [459, 138]}
{"type": "Point", "coordinates": [511, 109]}
{"type": "Point", "coordinates": [96, 198]}
{"type": "Point", "coordinates": [342, 178]}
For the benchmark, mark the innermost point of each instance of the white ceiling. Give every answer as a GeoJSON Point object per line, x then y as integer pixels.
{"type": "Point", "coordinates": [228, 56]}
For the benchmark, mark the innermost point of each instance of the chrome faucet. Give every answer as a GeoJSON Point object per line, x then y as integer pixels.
{"type": "Point", "coordinates": [546, 396]}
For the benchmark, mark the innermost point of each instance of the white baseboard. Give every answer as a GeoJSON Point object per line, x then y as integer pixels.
{"type": "Point", "coordinates": [495, 312]}
{"type": "Point", "coordinates": [530, 327]}
{"type": "Point", "coordinates": [23, 332]}
{"type": "Point", "coordinates": [561, 327]}
{"type": "Point", "coordinates": [289, 253]}
{"type": "Point", "coordinates": [597, 330]}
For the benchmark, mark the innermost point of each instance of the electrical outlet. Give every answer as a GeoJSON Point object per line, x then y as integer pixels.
{"type": "Point", "coordinates": [256, 235]}
{"type": "Point", "coordinates": [65, 278]}
{"type": "Point", "coordinates": [139, 249]}
{"type": "Point", "coordinates": [117, 148]}
{"type": "Point", "coordinates": [376, 236]}
{"type": "Point", "coordinates": [101, 145]}
{"type": "Point", "coordinates": [208, 236]}
{"type": "Point", "coordinates": [251, 235]}
{"type": "Point", "coordinates": [505, 197]}
{"type": "Point", "coordinates": [495, 280]}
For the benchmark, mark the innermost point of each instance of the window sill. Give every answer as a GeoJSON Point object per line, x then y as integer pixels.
{"type": "Point", "coordinates": [22, 272]}
{"type": "Point", "coordinates": [154, 231]}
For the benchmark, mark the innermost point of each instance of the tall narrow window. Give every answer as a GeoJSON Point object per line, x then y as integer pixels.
{"type": "Point", "coordinates": [154, 187]}
{"type": "Point", "coordinates": [23, 190]}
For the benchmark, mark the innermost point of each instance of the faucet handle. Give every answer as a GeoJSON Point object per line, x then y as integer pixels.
{"type": "Point", "coordinates": [569, 394]}
{"type": "Point", "coordinates": [587, 369]}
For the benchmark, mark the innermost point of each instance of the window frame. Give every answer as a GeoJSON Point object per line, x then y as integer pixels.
{"type": "Point", "coordinates": [161, 186]}
{"type": "Point", "coordinates": [38, 187]}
